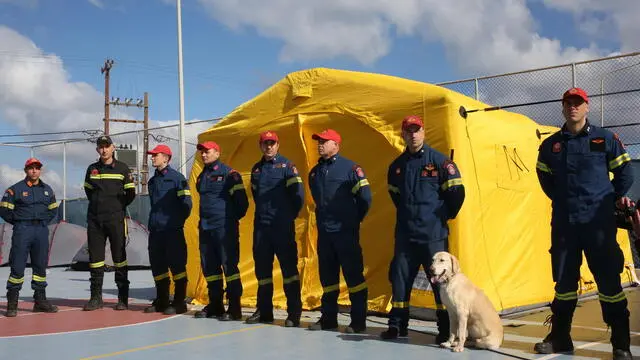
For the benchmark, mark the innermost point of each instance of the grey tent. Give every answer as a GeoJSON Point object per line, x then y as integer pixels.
{"type": "Point", "coordinates": [64, 242]}
{"type": "Point", "coordinates": [137, 252]}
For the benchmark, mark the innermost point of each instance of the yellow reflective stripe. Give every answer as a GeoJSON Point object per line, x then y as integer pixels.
{"type": "Point", "coordinates": [107, 177]}
{"type": "Point", "coordinates": [126, 228]}
{"type": "Point", "coordinates": [181, 275]}
{"type": "Point", "coordinates": [96, 265]}
{"type": "Point", "coordinates": [393, 189]}
{"type": "Point", "coordinates": [361, 183]}
{"type": "Point", "coordinates": [294, 180]}
{"type": "Point", "coordinates": [52, 206]}
{"type": "Point", "coordinates": [400, 304]}
{"type": "Point", "coordinates": [233, 277]}
{"type": "Point", "coordinates": [129, 186]}
{"type": "Point", "coordinates": [290, 279]}
{"type": "Point", "coordinates": [331, 288]}
{"type": "Point", "coordinates": [236, 187]}
{"type": "Point", "coordinates": [8, 205]}
{"type": "Point", "coordinates": [572, 295]}
{"type": "Point", "coordinates": [88, 186]}
{"type": "Point", "coordinates": [161, 276]}
{"type": "Point", "coordinates": [213, 277]}
{"type": "Point", "coordinates": [619, 161]}
{"type": "Point", "coordinates": [39, 278]}
{"type": "Point", "coordinates": [613, 299]}
{"type": "Point", "coordinates": [358, 287]}
{"type": "Point", "coordinates": [265, 281]}
{"type": "Point", "coordinates": [184, 193]}
{"type": "Point", "coordinates": [451, 183]}
{"type": "Point", "coordinates": [121, 264]}
{"type": "Point", "coordinates": [15, 280]}
{"type": "Point", "coordinates": [543, 167]}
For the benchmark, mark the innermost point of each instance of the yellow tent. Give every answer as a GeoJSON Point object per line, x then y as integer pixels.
{"type": "Point", "coordinates": [501, 235]}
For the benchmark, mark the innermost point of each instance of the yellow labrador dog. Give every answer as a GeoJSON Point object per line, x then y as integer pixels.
{"type": "Point", "coordinates": [470, 310]}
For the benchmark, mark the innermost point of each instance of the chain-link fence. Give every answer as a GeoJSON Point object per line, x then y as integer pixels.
{"type": "Point", "coordinates": [613, 85]}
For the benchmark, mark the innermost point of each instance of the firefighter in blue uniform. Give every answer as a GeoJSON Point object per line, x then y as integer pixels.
{"type": "Point", "coordinates": [170, 199]}
{"type": "Point", "coordinates": [29, 205]}
{"type": "Point", "coordinates": [278, 193]}
{"type": "Point", "coordinates": [573, 169]}
{"type": "Point", "coordinates": [223, 202]}
{"type": "Point", "coordinates": [109, 187]}
{"type": "Point", "coordinates": [427, 191]}
{"type": "Point", "coordinates": [342, 196]}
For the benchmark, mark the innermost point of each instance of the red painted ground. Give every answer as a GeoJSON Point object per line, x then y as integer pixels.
{"type": "Point", "coordinates": [70, 317]}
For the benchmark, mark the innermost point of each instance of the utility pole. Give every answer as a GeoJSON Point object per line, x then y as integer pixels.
{"type": "Point", "coordinates": [105, 70]}
{"type": "Point", "coordinates": [129, 103]}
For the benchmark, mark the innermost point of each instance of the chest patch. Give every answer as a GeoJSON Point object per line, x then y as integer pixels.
{"type": "Point", "coordinates": [597, 144]}
{"type": "Point", "coordinates": [429, 170]}
{"type": "Point", "coordinates": [25, 193]}
{"type": "Point", "coordinates": [95, 172]}
{"type": "Point", "coordinates": [556, 147]}
{"type": "Point", "coordinates": [46, 193]}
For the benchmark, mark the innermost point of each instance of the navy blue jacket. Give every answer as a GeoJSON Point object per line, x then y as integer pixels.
{"type": "Point", "coordinates": [427, 190]}
{"type": "Point", "coordinates": [24, 201]}
{"type": "Point", "coordinates": [341, 193]}
{"type": "Point", "coordinates": [170, 200]}
{"type": "Point", "coordinates": [223, 199]}
{"type": "Point", "coordinates": [573, 171]}
{"type": "Point", "coordinates": [277, 191]}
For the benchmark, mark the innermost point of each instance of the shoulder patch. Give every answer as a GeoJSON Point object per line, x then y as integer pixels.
{"type": "Point", "coordinates": [294, 169]}
{"type": "Point", "coordinates": [450, 167]}
{"type": "Point", "coordinates": [10, 192]}
{"type": "Point", "coordinates": [358, 170]}
{"type": "Point", "coordinates": [235, 175]}
{"type": "Point", "coordinates": [617, 138]}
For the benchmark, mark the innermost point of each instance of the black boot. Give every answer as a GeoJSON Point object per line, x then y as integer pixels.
{"type": "Point", "coordinates": [161, 302]}
{"type": "Point", "coordinates": [12, 303]}
{"type": "Point", "coordinates": [41, 304]}
{"type": "Point", "coordinates": [123, 298]}
{"type": "Point", "coordinates": [559, 339]}
{"type": "Point", "coordinates": [260, 317]}
{"type": "Point", "coordinates": [325, 323]}
{"type": "Point", "coordinates": [293, 320]}
{"type": "Point", "coordinates": [620, 339]}
{"type": "Point", "coordinates": [215, 308]}
{"type": "Point", "coordinates": [178, 305]}
{"type": "Point", "coordinates": [95, 302]}
{"type": "Point", "coordinates": [235, 310]}
{"type": "Point", "coordinates": [443, 326]}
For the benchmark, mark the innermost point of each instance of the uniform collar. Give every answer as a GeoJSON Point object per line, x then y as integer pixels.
{"type": "Point", "coordinates": [163, 171]}
{"type": "Point", "coordinates": [30, 184]}
{"type": "Point", "coordinates": [274, 160]}
{"type": "Point", "coordinates": [586, 129]}
{"type": "Point", "coordinates": [112, 165]}
{"type": "Point", "coordinates": [332, 159]}
{"type": "Point", "coordinates": [419, 153]}
{"type": "Point", "coordinates": [214, 165]}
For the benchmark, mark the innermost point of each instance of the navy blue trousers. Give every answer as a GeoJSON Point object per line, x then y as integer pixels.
{"type": "Point", "coordinates": [168, 251]}
{"type": "Point", "coordinates": [278, 240]}
{"type": "Point", "coordinates": [604, 258]}
{"type": "Point", "coordinates": [31, 240]}
{"type": "Point", "coordinates": [336, 250]}
{"type": "Point", "coordinates": [404, 267]}
{"type": "Point", "coordinates": [220, 254]}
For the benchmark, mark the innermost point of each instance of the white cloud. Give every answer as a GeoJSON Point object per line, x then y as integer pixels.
{"type": "Point", "coordinates": [480, 36]}
{"type": "Point", "coordinates": [97, 3]}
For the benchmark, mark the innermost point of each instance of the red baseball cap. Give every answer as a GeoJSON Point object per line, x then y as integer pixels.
{"type": "Point", "coordinates": [576, 92]}
{"type": "Point", "coordinates": [328, 134]}
{"type": "Point", "coordinates": [268, 135]}
{"type": "Point", "coordinates": [412, 120]}
{"type": "Point", "coordinates": [32, 161]}
{"type": "Point", "coordinates": [160, 149]}
{"type": "Point", "coordinates": [207, 145]}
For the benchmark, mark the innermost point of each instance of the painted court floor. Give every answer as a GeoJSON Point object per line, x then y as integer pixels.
{"type": "Point", "coordinates": [108, 334]}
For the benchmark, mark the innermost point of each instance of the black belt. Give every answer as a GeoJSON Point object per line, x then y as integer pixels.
{"type": "Point", "coordinates": [32, 222]}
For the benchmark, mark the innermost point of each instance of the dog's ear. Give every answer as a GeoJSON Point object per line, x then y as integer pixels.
{"type": "Point", "coordinates": [455, 265]}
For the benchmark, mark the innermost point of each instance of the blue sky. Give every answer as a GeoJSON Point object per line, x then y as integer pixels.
{"type": "Point", "coordinates": [235, 49]}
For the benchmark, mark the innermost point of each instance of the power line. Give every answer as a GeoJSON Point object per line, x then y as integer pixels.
{"type": "Point", "coordinates": [86, 131]}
